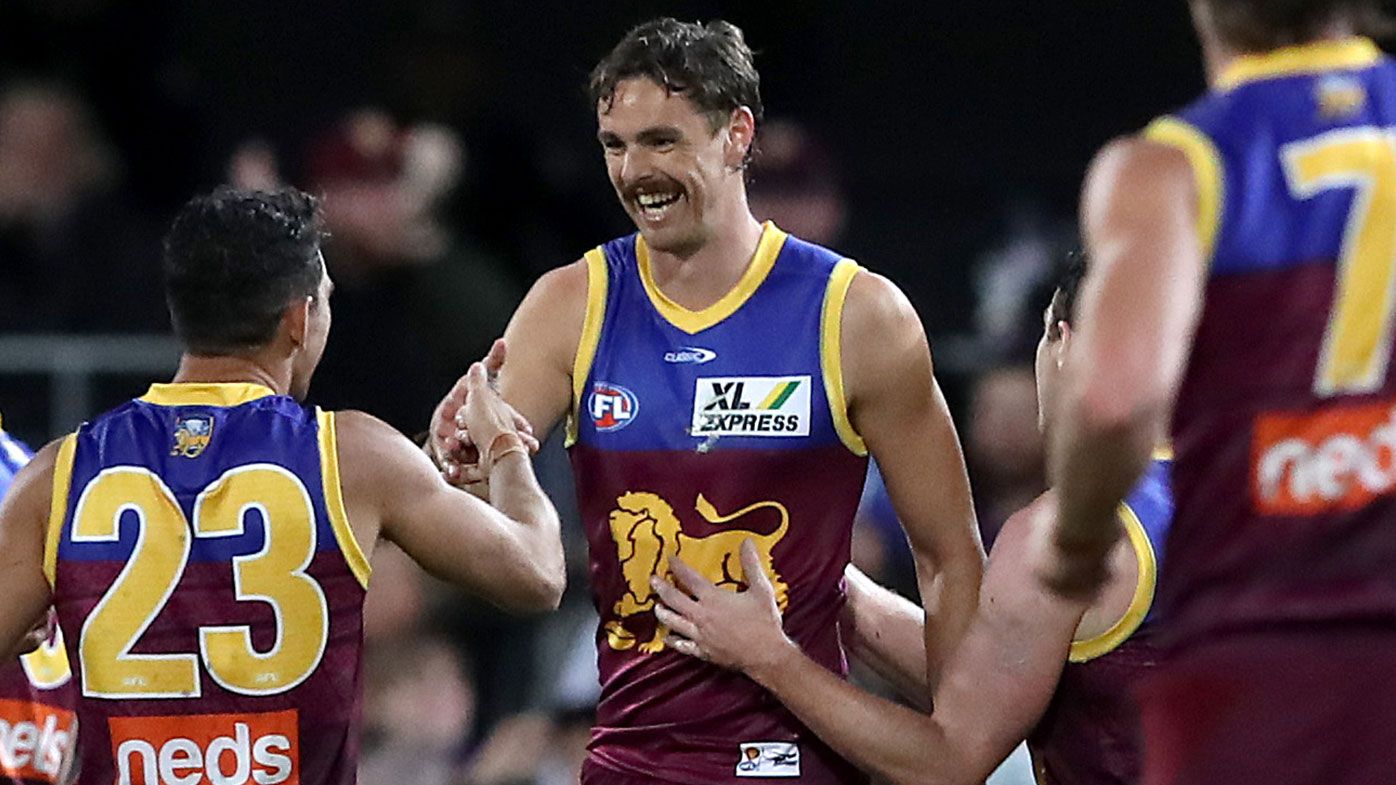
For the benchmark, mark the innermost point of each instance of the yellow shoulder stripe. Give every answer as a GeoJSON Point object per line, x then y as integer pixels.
{"type": "Point", "coordinates": [58, 504]}
{"type": "Point", "coordinates": [831, 353]}
{"type": "Point", "coordinates": [591, 336]}
{"type": "Point", "coordinates": [1139, 605]}
{"type": "Point", "coordinates": [334, 499]}
{"type": "Point", "coordinates": [1207, 174]}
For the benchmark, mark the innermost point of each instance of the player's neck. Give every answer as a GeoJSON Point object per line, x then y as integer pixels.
{"type": "Point", "coordinates": [1218, 56]}
{"type": "Point", "coordinates": [701, 278]}
{"type": "Point", "coordinates": [229, 369]}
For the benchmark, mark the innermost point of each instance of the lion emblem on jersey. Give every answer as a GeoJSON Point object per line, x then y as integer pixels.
{"type": "Point", "coordinates": [648, 533]}
{"type": "Point", "coordinates": [192, 436]}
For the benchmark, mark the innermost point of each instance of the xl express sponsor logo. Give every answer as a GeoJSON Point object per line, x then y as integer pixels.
{"type": "Point", "coordinates": [752, 406]}
{"type": "Point", "coordinates": [212, 749]}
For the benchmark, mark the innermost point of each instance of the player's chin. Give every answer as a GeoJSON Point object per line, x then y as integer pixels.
{"type": "Point", "coordinates": [672, 237]}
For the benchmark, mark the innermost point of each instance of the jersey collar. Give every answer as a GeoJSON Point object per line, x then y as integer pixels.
{"type": "Point", "coordinates": [1312, 58]}
{"type": "Point", "coordinates": [692, 322]}
{"type": "Point", "coordinates": [205, 394]}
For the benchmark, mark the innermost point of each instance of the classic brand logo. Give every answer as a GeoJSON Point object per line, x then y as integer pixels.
{"type": "Point", "coordinates": [36, 740]}
{"type": "Point", "coordinates": [611, 406]}
{"type": "Point", "coordinates": [751, 406]}
{"type": "Point", "coordinates": [192, 435]}
{"type": "Point", "coordinates": [769, 759]}
{"type": "Point", "coordinates": [1337, 459]}
{"type": "Point", "coordinates": [691, 354]}
{"type": "Point", "coordinates": [218, 749]}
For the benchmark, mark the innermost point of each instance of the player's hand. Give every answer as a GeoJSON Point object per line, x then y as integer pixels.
{"type": "Point", "coordinates": [738, 630]}
{"type": "Point", "coordinates": [451, 445]}
{"type": "Point", "coordinates": [485, 417]}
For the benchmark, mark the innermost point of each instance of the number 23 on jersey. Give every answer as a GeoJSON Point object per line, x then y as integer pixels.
{"type": "Point", "coordinates": [274, 575]}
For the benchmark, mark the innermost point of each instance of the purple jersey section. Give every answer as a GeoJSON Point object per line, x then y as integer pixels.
{"type": "Point", "coordinates": [1283, 426]}
{"type": "Point", "coordinates": [696, 431]}
{"type": "Point", "coordinates": [210, 591]}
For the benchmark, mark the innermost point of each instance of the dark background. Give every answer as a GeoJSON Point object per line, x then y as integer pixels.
{"type": "Point", "coordinates": [943, 116]}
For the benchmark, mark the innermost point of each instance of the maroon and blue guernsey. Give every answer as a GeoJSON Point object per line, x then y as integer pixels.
{"type": "Point", "coordinates": [693, 431]}
{"type": "Point", "coordinates": [1285, 425]}
{"type": "Point", "coordinates": [209, 590]}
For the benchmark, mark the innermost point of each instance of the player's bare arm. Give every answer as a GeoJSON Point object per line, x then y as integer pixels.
{"type": "Point", "coordinates": [884, 629]}
{"type": "Point", "coordinates": [886, 632]}
{"type": "Point", "coordinates": [1139, 306]}
{"type": "Point", "coordinates": [508, 551]}
{"type": "Point", "coordinates": [24, 515]}
{"type": "Point", "coordinates": [993, 688]}
{"type": "Point", "coordinates": [542, 340]}
{"type": "Point", "coordinates": [897, 407]}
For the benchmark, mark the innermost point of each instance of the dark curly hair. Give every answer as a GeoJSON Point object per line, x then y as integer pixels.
{"type": "Point", "coordinates": [709, 64]}
{"type": "Point", "coordinates": [234, 260]}
{"type": "Point", "coordinates": [1260, 25]}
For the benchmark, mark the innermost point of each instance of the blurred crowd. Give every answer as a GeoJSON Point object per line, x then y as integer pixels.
{"type": "Point", "coordinates": [427, 274]}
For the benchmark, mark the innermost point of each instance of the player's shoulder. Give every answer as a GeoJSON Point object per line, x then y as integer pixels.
{"type": "Point", "coordinates": [363, 440]}
{"type": "Point", "coordinates": [557, 301]}
{"type": "Point", "coordinates": [875, 304]}
{"type": "Point", "coordinates": [1016, 532]}
{"type": "Point", "coordinates": [1142, 157]}
{"type": "Point", "coordinates": [33, 483]}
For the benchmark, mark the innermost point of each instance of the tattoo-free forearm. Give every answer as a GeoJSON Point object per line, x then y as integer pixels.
{"type": "Point", "coordinates": [514, 491]}
{"type": "Point", "coordinates": [887, 635]}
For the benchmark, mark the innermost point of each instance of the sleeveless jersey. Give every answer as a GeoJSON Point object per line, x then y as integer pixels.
{"type": "Point", "coordinates": [1090, 734]}
{"type": "Point", "coordinates": [1285, 423]}
{"type": "Point", "coordinates": [37, 722]}
{"type": "Point", "coordinates": [693, 431]}
{"type": "Point", "coordinates": [210, 590]}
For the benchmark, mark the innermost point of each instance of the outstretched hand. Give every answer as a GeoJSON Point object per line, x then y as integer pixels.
{"type": "Point", "coordinates": [452, 444]}
{"type": "Point", "coordinates": [738, 630]}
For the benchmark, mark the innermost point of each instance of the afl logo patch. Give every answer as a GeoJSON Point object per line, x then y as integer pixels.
{"type": "Point", "coordinates": [611, 406]}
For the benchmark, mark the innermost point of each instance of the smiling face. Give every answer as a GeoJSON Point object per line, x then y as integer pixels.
{"type": "Point", "coordinates": [675, 174]}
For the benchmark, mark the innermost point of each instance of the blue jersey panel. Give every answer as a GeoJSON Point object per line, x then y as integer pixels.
{"type": "Point", "coordinates": [189, 447]}
{"type": "Point", "coordinates": [1267, 221]}
{"type": "Point", "coordinates": [651, 381]}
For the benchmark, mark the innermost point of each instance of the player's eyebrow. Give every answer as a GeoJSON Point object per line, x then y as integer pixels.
{"type": "Point", "coordinates": [658, 134]}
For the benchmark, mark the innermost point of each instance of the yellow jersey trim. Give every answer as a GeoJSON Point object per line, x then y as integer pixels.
{"type": "Point", "coordinates": [1312, 58]}
{"type": "Point", "coordinates": [1206, 166]}
{"type": "Point", "coordinates": [334, 499]}
{"type": "Point", "coordinates": [58, 504]}
{"type": "Point", "coordinates": [693, 322]}
{"type": "Point", "coordinates": [1119, 632]}
{"type": "Point", "coordinates": [831, 353]}
{"type": "Point", "coordinates": [201, 394]}
{"type": "Point", "coordinates": [591, 336]}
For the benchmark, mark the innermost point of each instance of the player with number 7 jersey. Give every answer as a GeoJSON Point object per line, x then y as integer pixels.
{"type": "Point", "coordinates": [207, 545]}
{"type": "Point", "coordinates": [1244, 277]}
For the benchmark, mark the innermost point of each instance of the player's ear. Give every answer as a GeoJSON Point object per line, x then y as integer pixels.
{"type": "Point", "coordinates": [741, 133]}
{"type": "Point", "coordinates": [295, 320]}
{"type": "Point", "coordinates": [1063, 329]}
